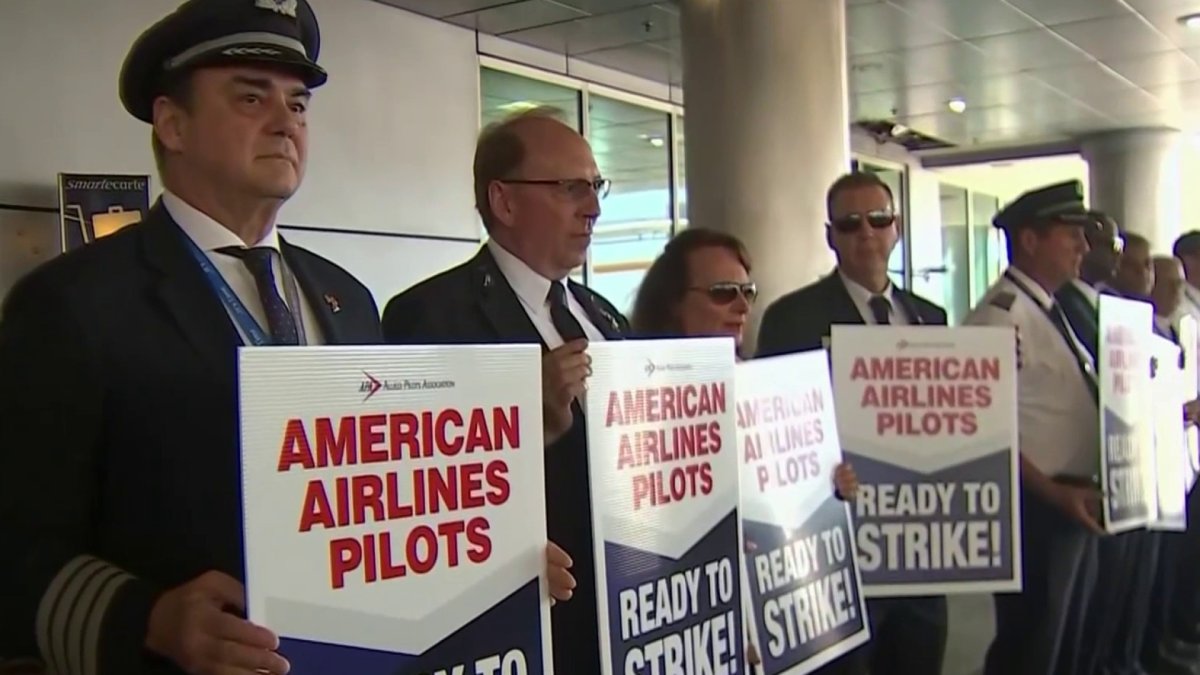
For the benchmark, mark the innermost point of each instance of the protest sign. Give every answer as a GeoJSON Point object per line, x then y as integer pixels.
{"type": "Point", "coordinates": [801, 583]}
{"type": "Point", "coordinates": [1188, 335]}
{"type": "Point", "coordinates": [1126, 422]}
{"type": "Point", "coordinates": [1170, 390]}
{"type": "Point", "coordinates": [394, 508]}
{"type": "Point", "coordinates": [928, 417]}
{"type": "Point", "coordinates": [663, 466]}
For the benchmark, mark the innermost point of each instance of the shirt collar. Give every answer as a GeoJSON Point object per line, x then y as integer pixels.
{"type": "Point", "coordinates": [531, 287]}
{"type": "Point", "coordinates": [861, 294]}
{"type": "Point", "coordinates": [1191, 294]}
{"type": "Point", "coordinates": [206, 233]}
{"type": "Point", "coordinates": [1032, 287]}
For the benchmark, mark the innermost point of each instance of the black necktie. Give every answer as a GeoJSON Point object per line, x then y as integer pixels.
{"type": "Point", "coordinates": [564, 322]}
{"type": "Point", "coordinates": [1082, 316]}
{"type": "Point", "coordinates": [279, 319]}
{"type": "Point", "coordinates": [1059, 319]}
{"type": "Point", "coordinates": [881, 309]}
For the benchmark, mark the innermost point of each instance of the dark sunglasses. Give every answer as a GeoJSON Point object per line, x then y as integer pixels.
{"type": "Point", "coordinates": [878, 220]}
{"type": "Point", "coordinates": [725, 292]}
{"type": "Point", "coordinates": [576, 188]}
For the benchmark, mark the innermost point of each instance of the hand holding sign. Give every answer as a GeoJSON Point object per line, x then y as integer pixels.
{"type": "Point", "coordinates": [190, 626]}
{"type": "Point", "coordinates": [558, 566]}
{"type": "Point", "coordinates": [845, 481]}
{"type": "Point", "coordinates": [1191, 412]}
{"type": "Point", "coordinates": [1081, 504]}
{"type": "Point", "coordinates": [563, 373]}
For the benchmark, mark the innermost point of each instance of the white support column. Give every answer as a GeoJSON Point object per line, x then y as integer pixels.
{"type": "Point", "coordinates": [1134, 176]}
{"type": "Point", "coordinates": [767, 129]}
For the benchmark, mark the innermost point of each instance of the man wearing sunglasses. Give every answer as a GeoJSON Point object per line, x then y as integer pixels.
{"type": "Point", "coordinates": [538, 191]}
{"type": "Point", "coordinates": [1041, 631]}
{"type": "Point", "coordinates": [908, 635]}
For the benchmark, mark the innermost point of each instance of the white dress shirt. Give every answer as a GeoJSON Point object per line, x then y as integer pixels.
{"type": "Point", "coordinates": [862, 300]}
{"type": "Point", "coordinates": [1191, 302]}
{"type": "Point", "coordinates": [1058, 421]}
{"type": "Point", "coordinates": [209, 235]}
{"type": "Point", "coordinates": [533, 290]}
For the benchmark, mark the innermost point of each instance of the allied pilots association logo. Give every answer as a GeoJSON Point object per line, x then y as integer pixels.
{"type": "Point", "coordinates": [373, 385]}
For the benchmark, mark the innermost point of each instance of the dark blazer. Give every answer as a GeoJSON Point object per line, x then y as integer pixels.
{"type": "Point", "coordinates": [119, 436]}
{"type": "Point", "coordinates": [798, 321]}
{"type": "Point", "coordinates": [473, 303]}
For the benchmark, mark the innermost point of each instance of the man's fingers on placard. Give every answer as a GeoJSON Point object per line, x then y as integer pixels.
{"type": "Point", "coordinates": [223, 588]}
{"type": "Point", "coordinates": [562, 583]}
{"type": "Point", "coordinates": [231, 628]}
{"type": "Point", "coordinates": [576, 374]}
{"type": "Point", "coordinates": [574, 346]}
{"type": "Point", "coordinates": [573, 361]}
{"type": "Point", "coordinates": [555, 555]}
{"type": "Point", "coordinates": [241, 658]}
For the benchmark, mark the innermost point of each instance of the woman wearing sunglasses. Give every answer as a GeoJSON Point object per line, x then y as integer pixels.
{"type": "Point", "coordinates": [700, 287]}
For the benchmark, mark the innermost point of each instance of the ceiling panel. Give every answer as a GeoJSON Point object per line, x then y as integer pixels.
{"type": "Point", "coordinates": [1066, 11]}
{"type": "Point", "coordinates": [606, 6]}
{"type": "Point", "coordinates": [1167, 22]}
{"type": "Point", "coordinates": [1137, 36]}
{"type": "Point", "coordinates": [882, 27]}
{"type": "Point", "coordinates": [947, 62]}
{"type": "Point", "coordinates": [1081, 78]}
{"type": "Point", "coordinates": [969, 19]}
{"type": "Point", "coordinates": [1152, 70]}
{"type": "Point", "coordinates": [1028, 49]}
{"type": "Point", "coordinates": [651, 60]}
{"type": "Point", "coordinates": [513, 17]}
{"type": "Point", "coordinates": [642, 24]}
{"type": "Point", "coordinates": [444, 8]}
{"type": "Point", "coordinates": [1026, 68]}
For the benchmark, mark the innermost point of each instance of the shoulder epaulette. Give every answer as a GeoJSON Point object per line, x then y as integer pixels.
{"type": "Point", "coordinates": [1003, 300]}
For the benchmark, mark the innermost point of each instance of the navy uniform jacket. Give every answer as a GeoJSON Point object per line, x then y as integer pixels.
{"type": "Point", "coordinates": [474, 304]}
{"type": "Point", "coordinates": [119, 469]}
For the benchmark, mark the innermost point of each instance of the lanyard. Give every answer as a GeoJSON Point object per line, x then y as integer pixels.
{"type": "Point", "coordinates": [248, 326]}
{"type": "Point", "coordinates": [1059, 320]}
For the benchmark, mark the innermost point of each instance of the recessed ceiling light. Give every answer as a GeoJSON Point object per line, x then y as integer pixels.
{"type": "Point", "coordinates": [1190, 20]}
{"type": "Point", "coordinates": [656, 141]}
{"type": "Point", "coordinates": [518, 106]}
{"type": "Point", "coordinates": [956, 104]}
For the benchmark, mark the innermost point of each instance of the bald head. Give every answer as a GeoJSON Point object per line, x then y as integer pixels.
{"type": "Point", "coordinates": [538, 191]}
{"type": "Point", "coordinates": [1168, 285]}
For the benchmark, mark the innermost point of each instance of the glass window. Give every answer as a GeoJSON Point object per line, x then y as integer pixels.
{"type": "Point", "coordinates": [955, 281]}
{"type": "Point", "coordinates": [894, 180]}
{"type": "Point", "coordinates": [503, 94]}
{"type": "Point", "coordinates": [681, 190]}
{"type": "Point", "coordinates": [987, 246]}
{"type": "Point", "coordinates": [630, 145]}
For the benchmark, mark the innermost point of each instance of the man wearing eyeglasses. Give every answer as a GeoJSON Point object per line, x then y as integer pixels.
{"type": "Point", "coordinates": [908, 635]}
{"type": "Point", "coordinates": [538, 191]}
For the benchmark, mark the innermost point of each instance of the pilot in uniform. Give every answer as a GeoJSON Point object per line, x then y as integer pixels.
{"type": "Point", "coordinates": [1039, 630]}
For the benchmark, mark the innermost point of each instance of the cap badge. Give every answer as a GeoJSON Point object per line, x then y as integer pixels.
{"type": "Point", "coordinates": [284, 7]}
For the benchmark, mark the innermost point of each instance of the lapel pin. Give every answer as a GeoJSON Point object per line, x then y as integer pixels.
{"type": "Point", "coordinates": [334, 305]}
{"type": "Point", "coordinates": [487, 280]}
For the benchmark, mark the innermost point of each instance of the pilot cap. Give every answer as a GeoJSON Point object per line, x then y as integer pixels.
{"type": "Point", "coordinates": [1058, 203]}
{"type": "Point", "coordinates": [215, 32]}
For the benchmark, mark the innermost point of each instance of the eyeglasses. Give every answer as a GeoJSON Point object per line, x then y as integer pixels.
{"type": "Point", "coordinates": [576, 188]}
{"type": "Point", "coordinates": [878, 220]}
{"type": "Point", "coordinates": [725, 292]}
